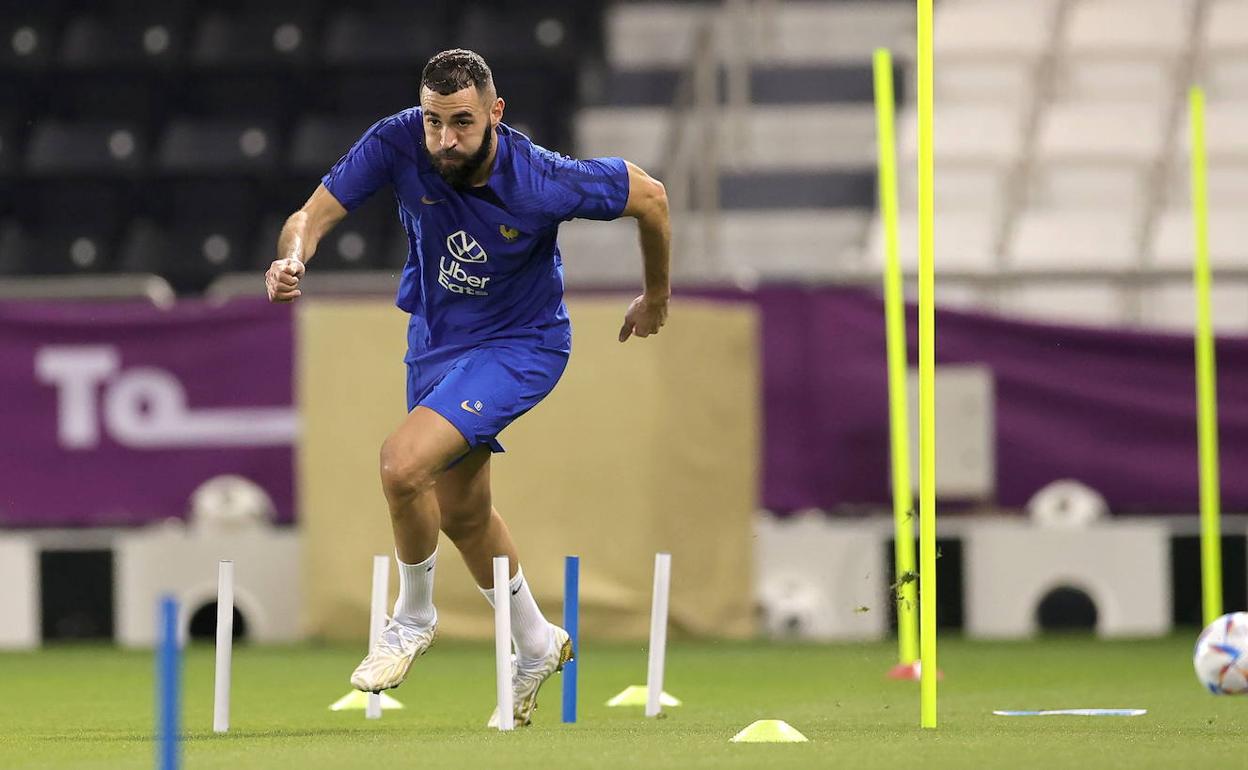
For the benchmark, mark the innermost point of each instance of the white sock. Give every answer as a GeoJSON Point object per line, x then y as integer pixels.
{"type": "Point", "coordinates": [415, 604]}
{"type": "Point", "coordinates": [530, 631]}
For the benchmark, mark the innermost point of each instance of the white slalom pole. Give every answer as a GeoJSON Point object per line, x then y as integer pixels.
{"type": "Point", "coordinates": [377, 621]}
{"type": "Point", "coordinates": [658, 633]}
{"type": "Point", "coordinates": [502, 641]}
{"type": "Point", "coordinates": [225, 646]}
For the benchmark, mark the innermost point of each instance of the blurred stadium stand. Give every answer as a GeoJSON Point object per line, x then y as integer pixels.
{"type": "Point", "coordinates": [1061, 172]}
{"type": "Point", "coordinates": [172, 137]}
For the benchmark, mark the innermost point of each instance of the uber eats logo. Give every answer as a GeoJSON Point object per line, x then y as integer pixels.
{"type": "Point", "coordinates": [452, 274]}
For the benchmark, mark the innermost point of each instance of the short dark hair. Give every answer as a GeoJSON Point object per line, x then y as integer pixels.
{"type": "Point", "coordinates": [455, 70]}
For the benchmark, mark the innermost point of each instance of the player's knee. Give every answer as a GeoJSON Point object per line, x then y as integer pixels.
{"type": "Point", "coordinates": [403, 472]}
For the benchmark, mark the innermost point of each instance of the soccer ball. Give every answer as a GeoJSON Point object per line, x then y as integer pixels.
{"type": "Point", "coordinates": [1221, 656]}
{"type": "Point", "coordinates": [230, 503]}
{"type": "Point", "coordinates": [790, 606]}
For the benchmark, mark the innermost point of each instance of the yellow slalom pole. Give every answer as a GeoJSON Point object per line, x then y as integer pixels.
{"type": "Point", "coordinates": [895, 324]}
{"type": "Point", "coordinates": [1206, 377]}
{"type": "Point", "coordinates": [927, 373]}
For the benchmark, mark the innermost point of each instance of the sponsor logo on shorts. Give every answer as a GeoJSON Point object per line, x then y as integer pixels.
{"type": "Point", "coordinates": [510, 234]}
{"type": "Point", "coordinates": [475, 407]}
{"type": "Point", "coordinates": [425, 199]}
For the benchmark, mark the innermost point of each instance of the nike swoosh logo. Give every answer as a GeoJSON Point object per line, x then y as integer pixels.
{"type": "Point", "coordinates": [466, 408]}
{"type": "Point", "coordinates": [425, 199]}
{"type": "Point", "coordinates": [513, 593]}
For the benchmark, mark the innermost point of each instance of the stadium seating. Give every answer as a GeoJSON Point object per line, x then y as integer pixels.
{"type": "Point", "coordinates": [1173, 243]}
{"type": "Point", "coordinates": [207, 121]}
{"type": "Point", "coordinates": [356, 39]}
{"type": "Point", "coordinates": [359, 243]}
{"type": "Point", "coordinates": [1060, 134]}
{"type": "Point", "coordinates": [1074, 240]}
{"type": "Point", "coordinates": [79, 246]}
{"type": "Point", "coordinates": [1170, 305]}
{"type": "Point", "coordinates": [965, 242]}
{"type": "Point", "coordinates": [1117, 48]}
{"type": "Point", "coordinates": [1224, 37]}
{"type": "Point", "coordinates": [60, 148]}
{"type": "Point", "coordinates": [989, 51]}
{"type": "Point", "coordinates": [319, 141]}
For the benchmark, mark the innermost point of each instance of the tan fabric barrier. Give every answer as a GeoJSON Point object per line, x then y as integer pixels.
{"type": "Point", "coordinates": [645, 446]}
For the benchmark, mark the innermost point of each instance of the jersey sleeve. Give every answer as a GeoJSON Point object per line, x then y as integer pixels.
{"type": "Point", "coordinates": [365, 168]}
{"type": "Point", "coordinates": [586, 189]}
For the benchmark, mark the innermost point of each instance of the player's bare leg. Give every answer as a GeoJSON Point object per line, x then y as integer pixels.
{"type": "Point", "coordinates": [412, 458]}
{"type": "Point", "coordinates": [470, 520]}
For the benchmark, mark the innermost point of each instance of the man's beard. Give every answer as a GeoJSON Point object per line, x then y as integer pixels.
{"type": "Point", "coordinates": [466, 167]}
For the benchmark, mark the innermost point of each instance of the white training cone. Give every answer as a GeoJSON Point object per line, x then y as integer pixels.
{"type": "Point", "coordinates": [769, 731]}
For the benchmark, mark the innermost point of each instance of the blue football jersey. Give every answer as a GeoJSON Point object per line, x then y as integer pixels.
{"type": "Point", "coordinates": [483, 263]}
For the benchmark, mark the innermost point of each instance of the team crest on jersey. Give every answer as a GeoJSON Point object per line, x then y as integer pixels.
{"type": "Point", "coordinates": [508, 233]}
{"type": "Point", "coordinates": [464, 247]}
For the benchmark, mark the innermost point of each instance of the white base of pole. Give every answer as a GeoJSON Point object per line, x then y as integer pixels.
{"type": "Point", "coordinates": [502, 641]}
{"type": "Point", "coordinates": [225, 647]}
{"type": "Point", "coordinates": [377, 621]}
{"type": "Point", "coordinates": [658, 633]}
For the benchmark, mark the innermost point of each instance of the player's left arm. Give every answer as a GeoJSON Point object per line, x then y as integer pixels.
{"type": "Point", "coordinates": [647, 203]}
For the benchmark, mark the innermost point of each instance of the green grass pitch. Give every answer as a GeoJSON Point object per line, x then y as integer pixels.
{"type": "Point", "coordinates": [92, 707]}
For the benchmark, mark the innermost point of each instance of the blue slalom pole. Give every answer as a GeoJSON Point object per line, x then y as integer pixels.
{"type": "Point", "coordinates": [167, 701]}
{"type": "Point", "coordinates": [571, 623]}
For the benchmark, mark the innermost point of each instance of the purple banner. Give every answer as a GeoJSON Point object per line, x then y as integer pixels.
{"type": "Point", "coordinates": [1114, 409]}
{"type": "Point", "coordinates": [113, 413]}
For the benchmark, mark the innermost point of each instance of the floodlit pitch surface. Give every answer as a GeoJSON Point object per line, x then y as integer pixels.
{"type": "Point", "coordinates": [92, 707]}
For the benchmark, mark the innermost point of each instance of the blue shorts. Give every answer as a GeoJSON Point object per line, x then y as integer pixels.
{"type": "Point", "coordinates": [483, 388]}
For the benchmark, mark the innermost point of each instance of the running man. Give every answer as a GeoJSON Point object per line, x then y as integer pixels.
{"type": "Point", "coordinates": [488, 336]}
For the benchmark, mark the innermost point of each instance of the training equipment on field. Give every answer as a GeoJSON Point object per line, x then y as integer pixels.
{"type": "Point", "coordinates": [927, 376]}
{"type": "Point", "coordinates": [502, 642]}
{"type": "Point", "coordinates": [377, 621]}
{"type": "Point", "coordinates": [168, 672]}
{"type": "Point", "coordinates": [1075, 713]}
{"type": "Point", "coordinates": [225, 646]}
{"type": "Point", "coordinates": [358, 701]}
{"type": "Point", "coordinates": [571, 624]}
{"type": "Point", "coordinates": [1206, 371]}
{"type": "Point", "coordinates": [1221, 656]}
{"type": "Point", "coordinates": [373, 703]}
{"type": "Point", "coordinates": [769, 731]}
{"type": "Point", "coordinates": [658, 633]}
{"type": "Point", "coordinates": [651, 695]}
{"type": "Point", "coordinates": [906, 593]}
{"type": "Point", "coordinates": [638, 695]}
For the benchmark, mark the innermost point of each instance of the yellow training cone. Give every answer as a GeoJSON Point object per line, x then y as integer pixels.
{"type": "Point", "coordinates": [356, 700]}
{"type": "Point", "coordinates": [769, 731]}
{"type": "Point", "coordinates": [635, 695]}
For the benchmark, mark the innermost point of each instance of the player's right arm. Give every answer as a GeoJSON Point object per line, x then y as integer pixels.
{"type": "Point", "coordinates": [297, 243]}
{"type": "Point", "coordinates": [356, 176]}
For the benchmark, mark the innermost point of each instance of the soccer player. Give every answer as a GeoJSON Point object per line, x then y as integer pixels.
{"type": "Point", "coordinates": [488, 336]}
